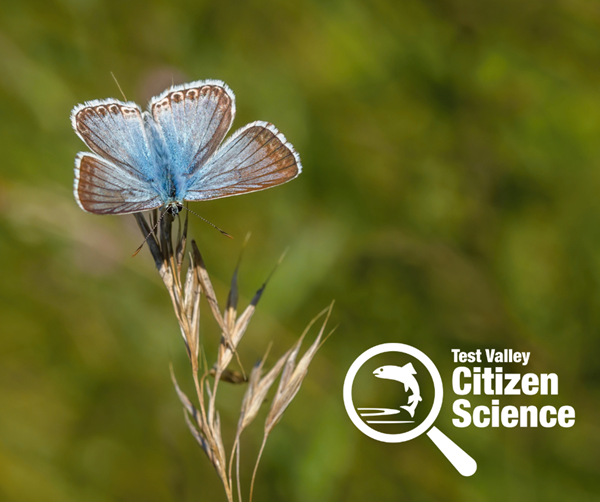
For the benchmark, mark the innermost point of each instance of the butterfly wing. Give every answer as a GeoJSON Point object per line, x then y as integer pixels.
{"type": "Point", "coordinates": [193, 119]}
{"type": "Point", "coordinates": [118, 179]}
{"type": "Point", "coordinates": [255, 158]}
{"type": "Point", "coordinates": [103, 188]}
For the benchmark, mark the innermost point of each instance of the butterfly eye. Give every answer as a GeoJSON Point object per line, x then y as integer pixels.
{"type": "Point", "coordinates": [175, 209]}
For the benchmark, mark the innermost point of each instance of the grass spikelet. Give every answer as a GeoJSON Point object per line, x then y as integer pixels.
{"type": "Point", "coordinates": [186, 286]}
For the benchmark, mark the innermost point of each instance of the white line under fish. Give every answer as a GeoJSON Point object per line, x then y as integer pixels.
{"type": "Point", "coordinates": [403, 374]}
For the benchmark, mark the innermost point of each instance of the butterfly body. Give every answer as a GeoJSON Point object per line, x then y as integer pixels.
{"type": "Point", "coordinates": [173, 153]}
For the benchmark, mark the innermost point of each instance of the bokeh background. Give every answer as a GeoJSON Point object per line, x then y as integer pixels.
{"type": "Point", "coordinates": [450, 199]}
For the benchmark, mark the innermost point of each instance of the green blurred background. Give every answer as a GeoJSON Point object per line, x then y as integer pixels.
{"type": "Point", "coordinates": [449, 200]}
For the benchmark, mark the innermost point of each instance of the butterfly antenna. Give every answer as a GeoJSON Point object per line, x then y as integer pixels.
{"type": "Point", "coordinates": [149, 233]}
{"type": "Point", "coordinates": [117, 82]}
{"type": "Point", "coordinates": [210, 223]}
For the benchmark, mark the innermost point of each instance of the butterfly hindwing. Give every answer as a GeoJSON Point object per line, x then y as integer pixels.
{"type": "Point", "coordinates": [255, 158]}
{"type": "Point", "coordinates": [193, 118]}
{"type": "Point", "coordinates": [102, 187]}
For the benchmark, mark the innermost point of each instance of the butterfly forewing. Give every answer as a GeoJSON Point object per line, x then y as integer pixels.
{"type": "Point", "coordinates": [104, 188]}
{"type": "Point", "coordinates": [254, 158]}
{"type": "Point", "coordinates": [194, 119]}
{"type": "Point", "coordinates": [115, 131]}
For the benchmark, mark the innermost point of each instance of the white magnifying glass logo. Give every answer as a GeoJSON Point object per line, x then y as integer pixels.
{"type": "Point", "coordinates": [463, 463]}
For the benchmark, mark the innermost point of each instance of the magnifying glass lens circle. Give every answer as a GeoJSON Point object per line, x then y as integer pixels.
{"type": "Point", "coordinates": [438, 390]}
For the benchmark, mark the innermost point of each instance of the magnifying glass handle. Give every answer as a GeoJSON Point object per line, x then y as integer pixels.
{"type": "Point", "coordinates": [459, 459]}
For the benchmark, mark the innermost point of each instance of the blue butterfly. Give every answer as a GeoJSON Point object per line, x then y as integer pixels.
{"type": "Point", "coordinates": [171, 153]}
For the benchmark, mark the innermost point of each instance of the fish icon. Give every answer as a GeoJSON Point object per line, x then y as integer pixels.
{"type": "Point", "coordinates": [406, 375]}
